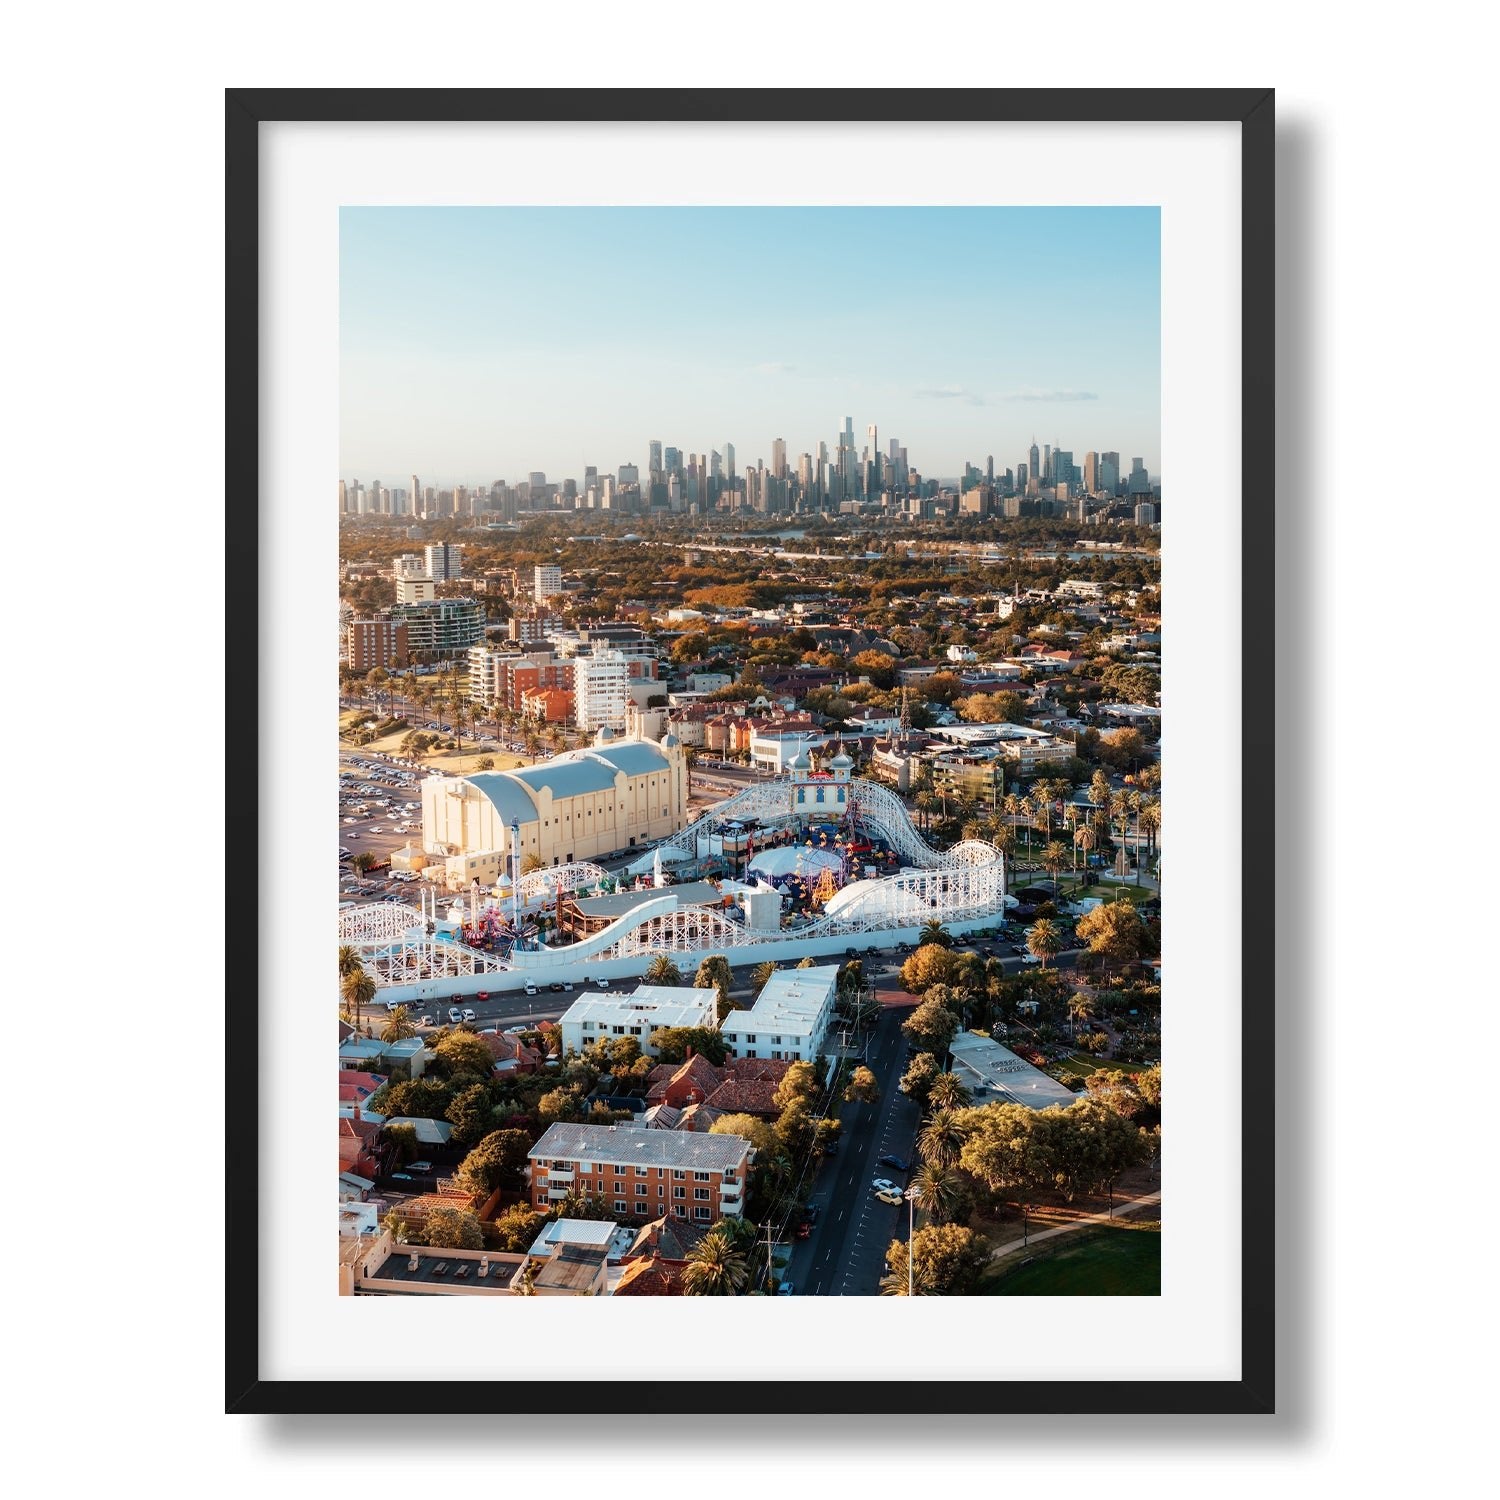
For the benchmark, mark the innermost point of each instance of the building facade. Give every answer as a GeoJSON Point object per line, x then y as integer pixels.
{"type": "Point", "coordinates": [642, 1174]}
{"type": "Point", "coordinates": [601, 689]}
{"type": "Point", "coordinates": [379, 642]}
{"type": "Point", "coordinates": [790, 1018]}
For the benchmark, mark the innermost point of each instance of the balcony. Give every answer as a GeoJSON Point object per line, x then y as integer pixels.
{"type": "Point", "coordinates": [559, 1174]}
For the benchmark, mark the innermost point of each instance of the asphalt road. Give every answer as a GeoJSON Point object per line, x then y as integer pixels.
{"type": "Point", "coordinates": [845, 1254]}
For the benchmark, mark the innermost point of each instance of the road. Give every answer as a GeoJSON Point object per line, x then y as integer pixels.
{"type": "Point", "coordinates": [845, 1254]}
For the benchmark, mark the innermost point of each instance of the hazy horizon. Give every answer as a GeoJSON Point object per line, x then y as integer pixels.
{"type": "Point", "coordinates": [486, 343]}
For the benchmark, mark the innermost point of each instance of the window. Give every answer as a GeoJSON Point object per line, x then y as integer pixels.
{"type": "Point", "coordinates": [678, 1175]}
{"type": "Point", "coordinates": [777, 1040]}
{"type": "Point", "coordinates": [585, 1166]}
{"type": "Point", "coordinates": [703, 1177]}
{"type": "Point", "coordinates": [749, 1039]}
{"type": "Point", "coordinates": [681, 1211]}
{"type": "Point", "coordinates": [640, 1190]}
{"type": "Point", "coordinates": [541, 1162]}
{"type": "Point", "coordinates": [702, 1213]}
{"type": "Point", "coordinates": [619, 1170]}
{"type": "Point", "coordinates": [701, 1194]}
{"type": "Point", "coordinates": [641, 1171]}
{"type": "Point", "coordinates": [679, 1192]}
{"type": "Point", "coordinates": [620, 1207]}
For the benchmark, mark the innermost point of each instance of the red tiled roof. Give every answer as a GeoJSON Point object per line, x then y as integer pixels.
{"type": "Point", "coordinates": [746, 1068]}
{"type": "Point", "coordinates": [649, 1278]}
{"type": "Point", "coordinates": [751, 1096]}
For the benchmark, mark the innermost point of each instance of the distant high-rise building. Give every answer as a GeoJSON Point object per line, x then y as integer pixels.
{"type": "Point", "coordinates": [629, 474]}
{"type": "Point", "coordinates": [989, 471]}
{"type": "Point", "coordinates": [1062, 466]}
{"type": "Point", "coordinates": [546, 581]}
{"type": "Point", "coordinates": [415, 590]}
{"type": "Point", "coordinates": [1091, 472]}
{"type": "Point", "coordinates": [873, 482]}
{"type": "Point", "coordinates": [653, 464]}
{"type": "Point", "coordinates": [729, 464]}
{"type": "Point", "coordinates": [778, 458]}
{"type": "Point", "coordinates": [1034, 463]}
{"type": "Point", "coordinates": [343, 497]}
{"type": "Point", "coordinates": [1022, 474]}
{"type": "Point", "coordinates": [1140, 480]}
{"type": "Point", "coordinates": [444, 561]}
{"type": "Point", "coordinates": [1145, 514]}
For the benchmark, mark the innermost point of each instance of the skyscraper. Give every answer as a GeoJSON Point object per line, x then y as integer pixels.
{"type": "Point", "coordinates": [778, 458]}
{"type": "Point", "coordinates": [1091, 472]}
{"type": "Point", "coordinates": [654, 466]}
{"type": "Point", "coordinates": [729, 464]}
{"type": "Point", "coordinates": [1034, 462]}
{"type": "Point", "coordinates": [873, 485]}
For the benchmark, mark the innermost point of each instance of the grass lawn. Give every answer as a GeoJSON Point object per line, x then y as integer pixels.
{"type": "Point", "coordinates": [1114, 1260]}
{"type": "Point", "coordinates": [1080, 1065]}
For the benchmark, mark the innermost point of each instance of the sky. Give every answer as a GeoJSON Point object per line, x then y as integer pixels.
{"type": "Point", "coordinates": [485, 343]}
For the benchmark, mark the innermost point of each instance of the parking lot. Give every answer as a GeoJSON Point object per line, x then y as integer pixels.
{"type": "Point", "coordinates": [380, 810]}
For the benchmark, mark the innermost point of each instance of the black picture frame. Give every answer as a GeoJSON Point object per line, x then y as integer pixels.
{"type": "Point", "coordinates": [1254, 111]}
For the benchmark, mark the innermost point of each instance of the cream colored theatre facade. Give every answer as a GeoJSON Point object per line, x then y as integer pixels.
{"type": "Point", "coordinates": [620, 793]}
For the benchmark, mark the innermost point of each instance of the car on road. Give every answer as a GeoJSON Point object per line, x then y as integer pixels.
{"type": "Point", "coordinates": [401, 1177]}
{"type": "Point", "coordinates": [425, 1021]}
{"type": "Point", "coordinates": [804, 1229]}
{"type": "Point", "coordinates": [531, 989]}
{"type": "Point", "coordinates": [891, 1197]}
{"type": "Point", "coordinates": [470, 1016]}
{"type": "Point", "coordinates": [896, 1162]}
{"type": "Point", "coordinates": [555, 987]}
{"type": "Point", "coordinates": [482, 995]}
{"type": "Point", "coordinates": [786, 1289]}
{"type": "Point", "coordinates": [515, 1030]}
{"type": "Point", "coordinates": [810, 1213]}
{"type": "Point", "coordinates": [419, 1166]}
{"type": "Point", "coordinates": [567, 986]}
{"type": "Point", "coordinates": [455, 1015]}
{"type": "Point", "coordinates": [1030, 958]}
{"type": "Point", "coordinates": [884, 1185]}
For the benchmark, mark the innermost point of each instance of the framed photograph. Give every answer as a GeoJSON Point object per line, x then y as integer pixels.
{"type": "Point", "coordinates": [766, 548]}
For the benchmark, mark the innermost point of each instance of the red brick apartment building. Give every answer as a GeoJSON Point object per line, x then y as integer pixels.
{"type": "Point", "coordinates": [642, 1174]}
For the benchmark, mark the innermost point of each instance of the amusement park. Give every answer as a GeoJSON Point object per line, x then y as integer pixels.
{"type": "Point", "coordinates": [810, 863]}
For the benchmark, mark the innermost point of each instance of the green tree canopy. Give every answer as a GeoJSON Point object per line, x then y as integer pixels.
{"type": "Point", "coordinates": [929, 965]}
{"type": "Point", "coordinates": [455, 1228]}
{"type": "Point", "coordinates": [748, 1127]}
{"type": "Point", "coordinates": [930, 1027]}
{"type": "Point", "coordinates": [497, 1161]}
{"type": "Point", "coordinates": [672, 1044]}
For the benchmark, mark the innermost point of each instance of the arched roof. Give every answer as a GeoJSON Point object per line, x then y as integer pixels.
{"type": "Point", "coordinates": [512, 800]}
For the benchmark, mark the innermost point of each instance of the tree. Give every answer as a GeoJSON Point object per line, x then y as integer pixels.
{"type": "Point", "coordinates": [418, 1098]}
{"type": "Point", "coordinates": [576, 1204]}
{"type": "Point", "coordinates": [946, 1260]}
{"type": "Point", "coordinates": [671, 1044]}
{"type": "Point", "coordinates": [348, 960]}
{"type": "Point", "coordinates": [454, 1228]}
{"type": "Point", "coordinates": [1054, 857]}
{"type": "Point", "coordinates": [1002, 1151]}
{"type": "Point", "coordinates": [1044, 940]}
{"type": "Point", "coordinates": [1080, 1008]}
{"type": "Point", "coordinates": [714, 973]}
{"type": "Point", "coordinates": [530, 862]}
{"type": "Point", "coordinates": [460, 1053]}
{"type": "Point", "coordinates": [930, 1027]}
{"type": "Point", "coordinates": [485, 763]}
{"type": "Point", "coordinates": [800, 1081]}
{"type": "Point", "coordinates": [1084, 838]}
{"type": "Point", "coordinates": [919, 1077]}
{"type": "Point", "coordinates": [938, 1189]}
{"type": "Point", "coordinates": [497, 1161]}
{"type": "Point", "coordinates": [1148, 1086]}
{"type": "Point", "coordinates": [399, 1026]}
{"type": "Point", "coordinates": [1115, 1090]}
{"type": "Point", "coordinates": [796, 1129]}
{"type": "Point", "coordinates": [471, 1112]}
{"type": "Point", "coordinates": [363, 863]}
{"type": "Point", "coordinates": [564, 1103]}
{"type": "Point", "coordinates": [942, 1138]}
{"type": "Point", "coordinates": [748, 1127]}
{"type": "Point", "coordinates": [1114, 931]}
{"type": "Point", "coordinates": [358, 990]}
{"type": "Point", "coordinates": [948, 1092]}
{"type": "Point", "coordinates": [716, 1267]}
{"type": "Point", "coordinates": [929, 965]}
{"type": "Point", "coordinates": [760, 975]}
{"type": "Point", "coordinates": [862, 1087]}
{"type": "Point", "coordinates": [515, 1231]}
{"type": "Point", "coordinates": [933, 931]}
{"type": "Point", "coordinates": [661, 970]}
{"type": "Point", "coordinates": [403, 1141]}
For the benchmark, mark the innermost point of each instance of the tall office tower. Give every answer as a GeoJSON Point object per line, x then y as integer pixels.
{"type": "Point", "coordinates": [629, 474]}
{"type": "Point", "coordinates": [377, 498]}
{"type": "Point", "coordinates": [416, 496]}
{"type": "Point", "coordinates": [822, 474]}
{"type": "Point", "coordinates": [653, 465]}
{"type": "Point", "coordinates": [460, 500]}
{"type": "Point", "coordinates": [672, 461]}
{"type": "Point", "coordinates": [443, 561]}
{"type": "Point", "coordinates": [1034, 462]}
{"type": "Point", "coordinates": [674, 493]}
{"type": "Point", "coordinates": [1140, 480]}
{"type": "Point", "coordinates": [1062, 466]}
{"type": "Point", "coordinates": [1022, 476]}
{"type": "Point", "coordinates": [874, 474]}
{"type": "Point", "coordinates": [429, 500]}
{"type": "Point", "coordinates": [591, 477]}
{"type": "Point", "coordinates": [607, 493]}
{"type": "Point", "coordinates": [1010, 482]}
{"type": "Point", "coordinates": [805, 480]}
{"type": "Point", "coordinates": [715, 465]}
{"type": "Point", "coordinates": [343, 497]}
{"type": "Point", "coordinates": [538, 482]}
{"type": "Point", "coordinates": [1091, 472]}
{"type": "Point", "coordinates": [778, 458]}
{"type": "Point", "coordinates": [989, 471]}
{"type": "Point", "coordinates": [1047, 463]}
{"type": "Point", "coordinates": [729, 464]}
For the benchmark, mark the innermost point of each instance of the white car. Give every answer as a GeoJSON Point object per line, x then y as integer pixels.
{"type": "Point", "coordinates": [455, 1015]}
{"type": "Point", "coordinates": [470, 1016]}
{"type": "Point", "coordinates": [885, 1185]}
{"type": "Point", "coordinates": [890, 1197]}
{"type": "Point", "coordinates": [515, 1030]}
{"type": "Point", "coordinates": [531, 989]}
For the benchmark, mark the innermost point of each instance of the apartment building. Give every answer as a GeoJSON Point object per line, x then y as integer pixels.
{"type": "Point", "coordinates": [603, 1017]}
{"type": "Point", "coordinates": [790, 1018]}
{"type": "Point", "coordinates": [380, 642]}
{"type": "Point", "coordinates": [642, 1174]}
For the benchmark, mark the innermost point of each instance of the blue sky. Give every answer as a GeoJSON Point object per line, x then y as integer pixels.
{"type": "Point", "coordinates": [482, 343]}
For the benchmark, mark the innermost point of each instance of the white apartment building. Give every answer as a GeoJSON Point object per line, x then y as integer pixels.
{"type": "Point", "coordinates": [546, 581]}
{"type": "Point", "coordinates": [594, 1017]}
{"type": "Point", "coordinates": [411, 565]}
{"type": "Point", "coordinates": [444, 561]}
{"type": "Point", "coordinates": [415, 590]}
{"type": "Point", "coordinates": [790, 1017]}
{"type": "Point", "coordinates": [601, 689]}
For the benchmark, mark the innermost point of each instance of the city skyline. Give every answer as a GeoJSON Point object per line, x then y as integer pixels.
{"type": "Point", "coordinates": [482, 344]}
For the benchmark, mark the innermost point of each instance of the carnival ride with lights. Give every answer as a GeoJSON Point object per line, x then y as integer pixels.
{"type": "Point", "coordinates": [859, 870]}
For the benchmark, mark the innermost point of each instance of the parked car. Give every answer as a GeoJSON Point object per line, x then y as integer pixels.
{"type": "Point", "coordinates": [555, 987]}
{"type": "Point", "coordinates": [892, 1197]}
{"type": "Point", "coordinates": [531, 988]}
{"type": "Point", "coordinates": [455, 1015]}
{"type": "Point", "coordinates": [470, 1016]}
{"type": "Point", "coordinates": [896, 1162]}
{"type": "Point", "coordinates": [884, 1185]}
{"type": "Point", "coordinates": [786, 1289]}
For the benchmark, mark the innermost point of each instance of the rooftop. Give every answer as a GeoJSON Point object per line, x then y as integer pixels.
{"type": "Point", "coordinates": [1008, 1079]}
{"type": "Point", "coordinates": [651, 1005]}
{"type": "Point", "coordinates": [691, 893]}
{"type": "Point", "coordinates": [791, 1001]}
{"type": "Point", "coordinates": [646, 1148]}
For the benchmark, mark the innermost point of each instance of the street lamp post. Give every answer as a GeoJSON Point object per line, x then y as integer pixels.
{"type": "Point", "coordinates": [911, 1200]}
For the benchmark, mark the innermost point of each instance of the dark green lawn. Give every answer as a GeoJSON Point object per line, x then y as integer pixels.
{"type": "Point", "coordinates": [1113, 1261]}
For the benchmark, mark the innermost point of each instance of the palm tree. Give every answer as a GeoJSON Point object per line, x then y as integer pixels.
{"type": "Point", "coordinates": [760, 975]}
{"type": "Point", "coordinates": [941, 1139]}
{"type": "Point", "coordinates": [1044, 941]}
{"type": "Point", "coordinates": [933, 931]}
{"type": "Point", "coordinates": [400, 1025]}
{"type": "Point", "coordinates": [925, 803]}
{"type": "Point", "coordinates": [1085, 839]}
{"type": "Point", "coordinates": [1151, 821]}
{"type": "Point", "coordinates": [348, 960]}
{"type": "Point", "coordinates": [1054, 857]}
{"type": "Point", "coordinates": [1080, 1008]}
{"type": "Point", "coordinates": [947, 1093]}
{"type": "Point", "coordinates": [358, 989]}
{"type": "Point", "coordinates": [661, 970]}
{"type": "Point", "coordinates": [935, 1189]}
{"type": "Point", "coordinates": [1028, 809]}
{"type": "Point", "coordinates": [715, 1268]}
{"type": "Point", "coordinates": [894, 1282]}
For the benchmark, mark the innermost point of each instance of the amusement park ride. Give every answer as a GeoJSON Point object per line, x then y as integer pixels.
{"type": "Point", "coordinates": [883, 880]}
